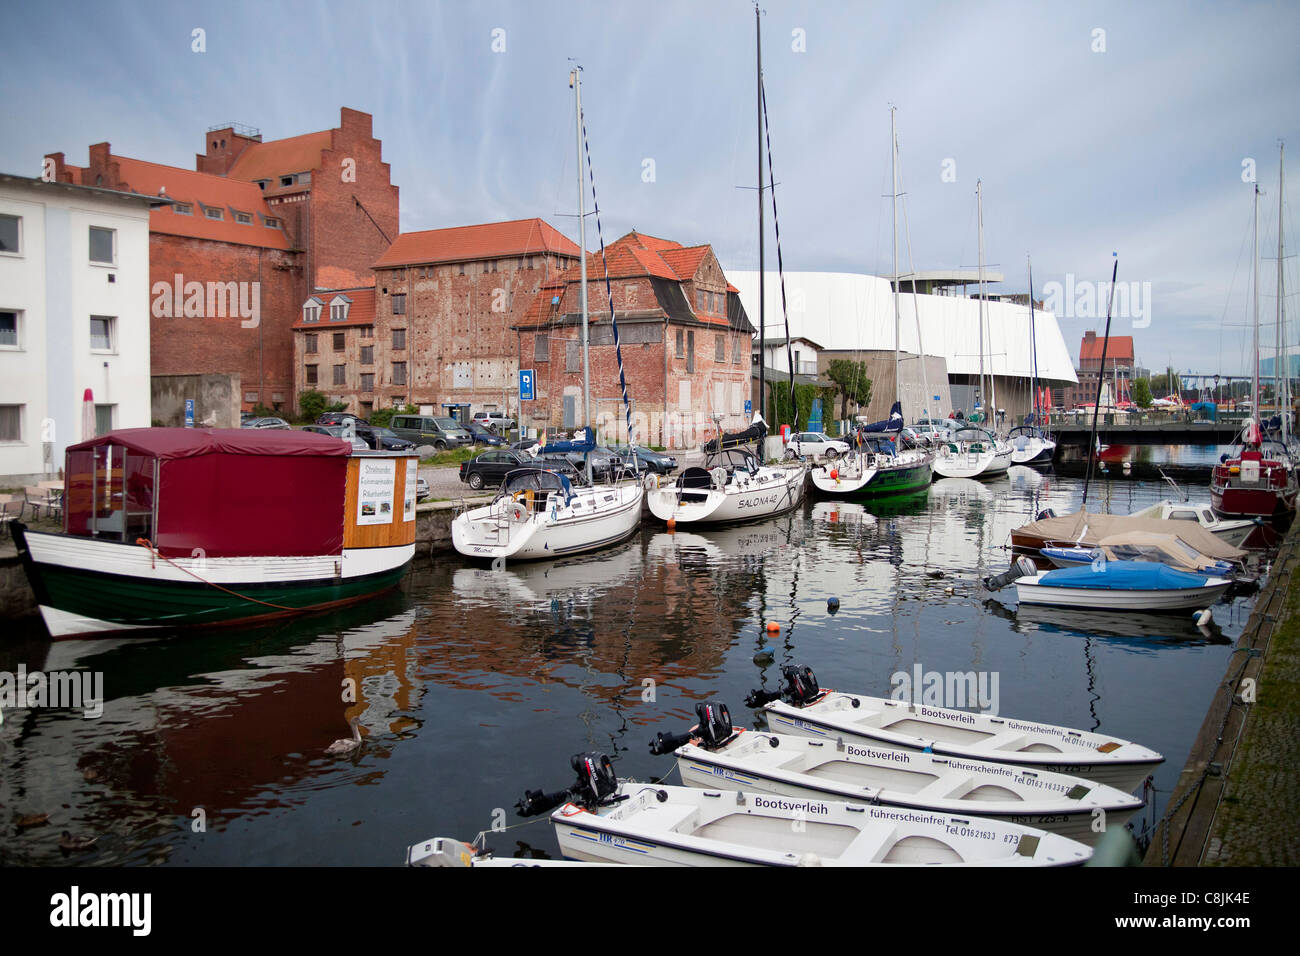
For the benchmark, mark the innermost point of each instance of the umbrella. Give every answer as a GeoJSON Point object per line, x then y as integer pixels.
{"type": "Point", "coordinates": [87, 416]}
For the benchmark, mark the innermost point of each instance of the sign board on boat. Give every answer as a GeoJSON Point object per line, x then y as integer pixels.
{"type": "Point", "coordinates": [375, 491]}
{"type": "Point", "coordinates": [408, 500]}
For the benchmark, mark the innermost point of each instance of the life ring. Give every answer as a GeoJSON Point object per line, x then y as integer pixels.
{"type": "Point", "coordinates": [515, 511]}
{"type": "Point", "coordinates": [650, 481]}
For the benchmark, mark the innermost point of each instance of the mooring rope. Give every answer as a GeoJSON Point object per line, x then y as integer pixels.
{"type": "Point", "coordinates": [146, 543]}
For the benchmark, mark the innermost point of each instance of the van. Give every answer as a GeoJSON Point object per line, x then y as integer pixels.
{"type": "Point", "coordinates": [441, 433]}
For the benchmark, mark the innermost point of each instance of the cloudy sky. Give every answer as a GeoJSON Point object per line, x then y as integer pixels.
{"type": "Point", "coordinates": [1097, 128]}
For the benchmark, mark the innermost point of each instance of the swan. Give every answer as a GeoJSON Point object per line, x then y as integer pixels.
{"type": "Point", "coordinates": [346, 746]}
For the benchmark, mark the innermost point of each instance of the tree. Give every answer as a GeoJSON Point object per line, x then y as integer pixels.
{"type": "Point", "coordinates": [853, 382]}
{"type": "Point", "coordinates": [382, 416]}
{"type": "Point", "coordinates": [1141, 393]}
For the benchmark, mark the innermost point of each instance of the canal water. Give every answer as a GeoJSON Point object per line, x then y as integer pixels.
{"type": "Point", "coordinates": [472, 685]}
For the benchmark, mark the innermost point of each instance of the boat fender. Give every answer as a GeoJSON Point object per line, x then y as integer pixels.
{"type": "Point", "coordinates": [719, 476]}
{"type": "Point", "coordinates": [832, 604]}
{"type": "Point", "coordinates": [515, 511]}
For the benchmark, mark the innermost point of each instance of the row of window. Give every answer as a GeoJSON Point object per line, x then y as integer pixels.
{"type": "Point", "coordinates": [685, 348]}
{"type": "Point", "coordinates": [479, 267]}
{"type": "Point", "coordinates": [312, 376]}
{"type": "Point", "coordinates": [11, 421]}
{"type": "Point", "coordinates": [714, 303]}
{"type": "Point", "coordinates": [219, 214]}
{"type": "Point", "coordinates": [103, 242]}
{"type": "Point", "coordinates": [103, 331]}
{"type": "Point", "coordinates": [367, 332]}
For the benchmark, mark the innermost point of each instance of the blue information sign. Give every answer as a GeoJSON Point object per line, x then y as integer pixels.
{"type": "Point", "coordinates": [189, 413]}
{"type": "Point", "coordinates": [749, 406]}
{"type": "Point", "coordinates": [525, 385]}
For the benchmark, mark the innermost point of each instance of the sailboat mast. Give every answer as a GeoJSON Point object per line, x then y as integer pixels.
{"type": "Point", "coordinates": [979, 205]}
{"type": "Point", "coordinates": [893, 157]}
{"type": "Point", "coordinates": [762, 322]}
{"type": "Point", "coordinates": [1283, 387]}
{"type": "Point", "coordinates": [1254, 370]}
{"type": "Point", "coordinates": [576, 76]}
{"type": "Point", "coordinates": [1033, 342]}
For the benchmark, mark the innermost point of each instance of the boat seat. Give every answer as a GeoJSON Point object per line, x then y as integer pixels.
{"type": "Point", "coordinates": [675, 817]}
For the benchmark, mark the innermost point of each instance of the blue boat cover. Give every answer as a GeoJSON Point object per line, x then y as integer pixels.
{"type": "Point", "coordinates": [1123, 576]}
{"type": "Point", "coordinates": [893, 423]}
{"type": "Point", "coordinates": [583, 442]}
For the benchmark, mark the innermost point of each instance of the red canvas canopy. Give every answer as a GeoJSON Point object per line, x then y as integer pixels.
{"type": "Point", "coordinates": [224, 492]}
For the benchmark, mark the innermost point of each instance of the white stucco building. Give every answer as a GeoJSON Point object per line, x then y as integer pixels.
{"type": "Point", "coordinates": [74, 301]}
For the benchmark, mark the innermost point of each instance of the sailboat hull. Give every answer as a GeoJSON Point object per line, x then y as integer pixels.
{"type": "Point", "coordinates": [879, 480]}
{"type": "Point", "coordinates": [596, 518]}
{"type": "Point", "coordinates": [771, 492]}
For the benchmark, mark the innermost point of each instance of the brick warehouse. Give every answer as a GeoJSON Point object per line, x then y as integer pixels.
{"type": "Point", "coordinates": [685, 339]}
{"type": "Point", "coordinates": [291, 215]}
{"type": "Point", "coordinates": [445, 301]}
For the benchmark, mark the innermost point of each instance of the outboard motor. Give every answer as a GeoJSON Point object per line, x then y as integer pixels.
{"type": "Point", "coordinates": [713, 729]}
{"type": "Point", "coordinates": [800, 685]}
{"type": "Point", "coordinates": [1021, 567]}
{"type": "Point", "coordinates": [595, 786]}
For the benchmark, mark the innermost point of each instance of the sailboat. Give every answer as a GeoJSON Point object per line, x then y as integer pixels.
{"type": "Point", "coordinates": [734, 484]}
{"type": "Point", "coordinates": [1030, 444]}
{"type": "Point", "coordinates": [1260, 480]}
{"type": "Point", "coordinates": [542, 514]}
{"type": "Point", "coordinates": [974, 451]}
{"type": "Point", "coordinates": [877, 465]}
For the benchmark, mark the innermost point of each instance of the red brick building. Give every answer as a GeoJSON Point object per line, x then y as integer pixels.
{"type": "Point", "coordinates": [445, 302]}
{"type": "Point", "coordinates": [1119, 371]}
{"type": "Point", "coordinates": [249, 235]}
{"type": "Point", "coordinates": [684, 334]}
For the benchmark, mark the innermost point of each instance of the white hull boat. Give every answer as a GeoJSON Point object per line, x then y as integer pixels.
{"type": "Point", "coordinates": [1233, 531]}
{"type": "Point", "coordinates": [1035, 452]}
{"type": "Point", "coordinates": [446, 852]}
{"type": "Point", "coordinates": [1122, 586]}
{"type": "Point", "coordinates": [538, 515]}
{"type": "Point", "coordinates": [684, 826]}
{"type": "Point", "coordinates": [972, 453]}
{"type": "Point", "coordinates": [805, 767]}
{"type": "Point", "coordinates": [729, 493]}
{"type": "Point", "coordinates": [907, 725]}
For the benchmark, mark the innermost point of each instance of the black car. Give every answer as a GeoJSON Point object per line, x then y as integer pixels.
{"type": "Point", "coordinates": [491, 467]}
{"type": "Point", "coordinates": [647, 460]}
{"type": "Point", "coordinates": [605, 465]}
{"type": "Point", "coordinates": [338, 418]}
{"type": "Point", "coordinates": [382, 439]}
{"type": "Point", "coordinates": [482, 436]}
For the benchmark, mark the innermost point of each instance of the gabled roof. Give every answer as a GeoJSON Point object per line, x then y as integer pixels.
{"type": "Point", "coordinates": [493, 240]}
{"type": "Point", "coordinates": [360, 312]}
{"type": "Point", "coordinates": [187, 186]}
{"type": "Point", "coordinates": [1120, 348]}
{"type": "Point", "coordinates": [281, 157]}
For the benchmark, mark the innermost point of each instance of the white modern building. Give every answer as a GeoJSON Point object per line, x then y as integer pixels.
{"type": "Point", "coordinates": [850, 313]}
{"type": "Point", "coordinates": [74, 316]}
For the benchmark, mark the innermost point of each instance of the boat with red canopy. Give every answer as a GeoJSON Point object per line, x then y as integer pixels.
{"type": "Point", "coordinates": [177, 527]}
{"type": "Point", "coordinates": [1258, 482]}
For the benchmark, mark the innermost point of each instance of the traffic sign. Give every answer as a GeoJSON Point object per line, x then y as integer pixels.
{"type": "Point", "coordinates": [189, 413]}
{"type": "Point", "coordinates": [525, 385]}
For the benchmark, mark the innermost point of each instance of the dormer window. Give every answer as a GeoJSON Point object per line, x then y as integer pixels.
{"type": "Point", "coordinates": [270, 221]}
{"type": "Point", "coordinates": [311, 310]}
{"type": "Point", "coordinates": [244, 218]}
{"type": "Point", "coordinates": [213, 212]}
{"type": "Point", "coordinates": [339, 308]}
{"type": "Point", "coordinates": [286, 180]}
{"type": "Point", "coordinates": [183, 208]}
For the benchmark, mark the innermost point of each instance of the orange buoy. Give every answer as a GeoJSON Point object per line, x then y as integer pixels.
{"type": "Point", "coordinates": [773, 627]}
{"type": "Point", "coordinates": [672, 523]}
{"type": "Point", "coordinates": [835, 474]}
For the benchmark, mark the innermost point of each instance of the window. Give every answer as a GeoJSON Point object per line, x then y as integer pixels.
{"type": "Point", "coordinates": [304, 177]}
{"type": "Point", "coordinates": [250, 396]}
{"type": "Point", "coordinates": [286, 180]}
{"type": "Point", "coordinates": [367, 331]}
{"type": "Point", "coordinates": [243, 218]}
{"type": "Point", "coordinates": [271, 223]}
{"type": "Point", "coordinates": [9, 242]}
{"type": "Point", "coordinates": [542, 348]}
{"type": "Point", "coordinates": [735, 351]}
{"type": "Point", "coordinates": [311, 313]}
{"type": "Point", "coordinates": [8, 330]}
{"type": "Point", "coordinates": [101, 333]}
{"type": "Point", "coordinates": [183, 208]}
{"type": "Point", "coordinates": [681, 344]}
{"type": "Point", "coordinates": [719, 349]}
{"type": "Point", "coordinates": [399, 401]}
{"type": "Point", "coordinates": [367, 355]}
{"type": "Point", "coordinates": [311, 374]}
{"type": "Point", "coordinates": [690, 351]}
{"type": "Point", "coordinates": [571, 355]}
{"type": "Point", "coordinates": [340, 374]}
{"type": "Point", "coordinates": [263, 183]}
{"type": "Point", "coordinates": [104, 415]}
{"type": "Point", "coordinates": [101, 246]}
{"type": "Point", "coordinates": [399, 373]}
{"type": "Point", "coordinates": [311, 344]}
{"type": "Point", "coordinates": [367, 381]}
{"type": "Point", "coordinates": [339, 341]}
{"type": "Point", "coordinates": [11, 423]}
{"type": "Point", "coordinates": [399, 304]}
{"type": "Point", "coordinates": [213, 212]}
{"type": "Point", "coordinates": [338, 313]}
{"type": "Point", "coordinates": [699, 300]}
{"type": "Point", "coordinates": [399, 338]}
{"type": "Point", "coordinates": [462, 268]}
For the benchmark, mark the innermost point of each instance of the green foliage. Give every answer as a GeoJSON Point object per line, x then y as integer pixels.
{"type": "Point", "coordinates": [854, 384]}
{"type": "Point", "coordinates": [311, 404]}
{"type": "Point", "coordinates": [1141, 393]}
{"type": "Point", "coordinates": [261, 411]}
{"type": "Point", "coordinates": [779, 409]}
{"type": "Point", "coordinates": [380, 417]}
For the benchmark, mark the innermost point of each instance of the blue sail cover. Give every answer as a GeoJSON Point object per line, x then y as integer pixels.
{"type": "Point", "coordinates": [1123, 576]}
{"type": "Point", "coordinates": [893, 423]}
{"type": "Point", "coordinates": [583, 442]}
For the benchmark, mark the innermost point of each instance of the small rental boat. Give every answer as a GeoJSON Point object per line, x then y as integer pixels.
{"type": "Point", "coordinates": [714, 754]}
{"type": "Point", "coordinates": [733, 485]}
{"type": "Point", "coordinates": [803, 708]}
{"type": "Point", "coordinates": [604, 819]}
{"type": "Point", "coordinates": [1122, 586]}
{"type": "Point", "coordinates": [1233, 531]}
{"type": "Point", "coordinates": [447, 852]}
{"type": "Point", "coordinates": [185, 527]}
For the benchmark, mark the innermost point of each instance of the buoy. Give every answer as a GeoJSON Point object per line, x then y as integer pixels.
{"type": "Point", "coordinates": [1203, 618]}
{"type": "Point", "coordinates": [762, 658]}
{"type": "Point", "coordinates": [672, 524]}
{"type": "Point", "coordinates": [835, 474]}
{"type": "Point", "coordinates": [833, 604]}
{"type": "Point", "coordinates": [773, 627]}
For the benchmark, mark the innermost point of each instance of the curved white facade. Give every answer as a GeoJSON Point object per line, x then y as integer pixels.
{"type": "Point", "coordinates": [845, 310]}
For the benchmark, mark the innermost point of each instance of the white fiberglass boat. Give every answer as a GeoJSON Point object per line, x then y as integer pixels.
{"type": "Point", "coordinates": [972, 453]}
{"type": "Point", "coordinates": [1122, 586]}
{"type": "Point", "coordinates": [733, 486]}
{"type": "Point", "coordinates": [876, 468]}
{"type": "Point", "coordinates": [540, 514]}
{"type": "Point", "coordinates": [1233, 531]}
{"type": "Point", "coordinates": [802, 708]}
{"type": "Point", "coordinates": [716, 755]}
{"type": "Point", "coordinates": [1029, 446]}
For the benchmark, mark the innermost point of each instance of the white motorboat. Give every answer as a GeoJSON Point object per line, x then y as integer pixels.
{"type": "Point", "coordinates": [1143, 546]}
{"type": "Point", "coordinates": [1122, 586]}
{"type": "Point", "coordinates": [448, 852]}
{"type": "Point", "coordinates": [804, 709]}
{"type": "Point", "coordinates": [1233, 531]}
{"type": "Point", "coordinates": [713, 754]}
{"type": "Point", "coordinates": [540, 514]}
{"type": "Point", "coordinates": [733, 486]}
{"type": "Point", "coordinates": [972, 453]}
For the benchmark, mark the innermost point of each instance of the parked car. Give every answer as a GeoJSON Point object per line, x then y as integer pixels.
{"type": "Point", "coordinates": [605, 464]}
{"type": "Point", "coordinates": [647, 460]}
{"type": "Point", "coordinates": [482, 436]}
{"type": "Point", "coordinates": [491, 467]}
{"type": "Point", "coordinates": [338, 418]}
{"type": "Point", "coordinates": [264, 423]}
{"type": "Point", "coordinates": [498, 422]}
{"type": "Point", "coordinates": [814, 444]}
{"type": "Point", "coordinates": [383, 439]}
{"type": "Point", "coordinates": [336, 431]}
{"type": "Point", "coordinates": [441, 433]}
{"type": "Point", "coordinates": [421, 489]}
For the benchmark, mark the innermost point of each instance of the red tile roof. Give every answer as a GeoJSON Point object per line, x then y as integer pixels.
{"type": "Point", "coordinates": [1120, 348]}
{"type": "Point", "coordinates": [281, 157]}
{"type": "Point", "coordinates": [491, 240]}
{"type": "Point", "coordinates": [361, 312]}
{"type": "Point", "coordinates": [685, 262]}
{"type": "Point", "coordinates": [186, 186]}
